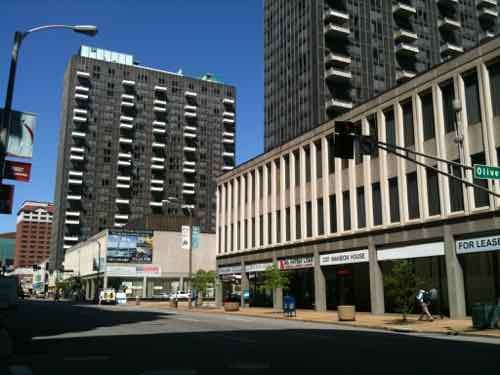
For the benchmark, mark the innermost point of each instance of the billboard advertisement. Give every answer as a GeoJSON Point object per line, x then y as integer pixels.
{"type": "Point", "coordinates": [21, 134]}
{"type": "Point", "coordinates": [130, 246]}
{"type": "Point", "coordinates": [16, 170]}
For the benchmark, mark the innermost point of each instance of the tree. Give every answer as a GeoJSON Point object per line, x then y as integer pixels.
{"type": "Point", "coordinates": [202, 280]}
{"type": "Point", "coordinates": [274, 278]}
{"type": "Point", "coordinates": [401, 284]}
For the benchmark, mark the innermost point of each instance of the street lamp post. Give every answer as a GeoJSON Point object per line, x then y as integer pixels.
{"type": "Point", "coordinates": [18, 39]}
{"type": "Point", "coordinates": [190, 251]}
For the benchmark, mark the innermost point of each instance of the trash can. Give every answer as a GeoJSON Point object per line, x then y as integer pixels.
{"type": "Point", "coordinates": [485, 315]}
{"type": "Point", "coordinates": [289, 306]}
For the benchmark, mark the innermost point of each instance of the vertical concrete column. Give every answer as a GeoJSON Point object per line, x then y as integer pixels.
{"type": "Point", "coordinates": [376, 280]}
{"type": "Point", "coordinates": [454, 277]}
{"type": "Point", "coordinates": [282, 227]}
{"type": "Point", "coordinates": [250, 204]}
{"type": "Point", "coordinates": [418, 133]}
{"type": "Point", "coordinates": [338, 195]}
{"type": "Point", "coordinates": [223, 219]}
{"type": "Point", "coordinates": [144, 287]}
{"type": "Point", "coordinates": [92, 289]}
{"type": "Point", "coordinates": [229, 216]}
{"type": "Point", "coordinates": [219, 297]}
{"type": "Point", "coordinates": [313, 186]}
{"type": "Point", "coordinates": [293, 222]}
{"type": "Point", "coordinates": [326, 184]}
{"type": "Point", "coordinates": [105, 282]}
{"type": "Point", "coordinates": [244, 283]}
{"type": "Point", "coordinates": [217, 220]}
{"type": "Point", "coordinates": [277, 293]}
{"type": "Point", "coordinates": [86, 288]}
{"type": "Point", "coordinates": [235, 214]}
{"type": "Point", "coordinates": [265, 201]}
{"type": "Point", "coordinates": [242, 212]}
{"type": "Point", "coordinates": [302, 189]}
{"type": "Point", "coordinates": [257, 207]}
{"type": "Point", "coordinates": [273, 202]}
{"type": "Point", "coordinates": [351, 175]}
{"type": "Point", "coordinates": [401, 164]}
{"type": "Point", "coordinates": [444, 188]}
{"type": "Point", "coordinates": [367, 178]}
{"type": "Point", "coordinates": [181, 283]}
{"type": "Point", "coordinates": [487, 127]}
{"type": "Point", "coordinates": [384, 181]}
{"type": "Point", "coordinates": [319, 284]}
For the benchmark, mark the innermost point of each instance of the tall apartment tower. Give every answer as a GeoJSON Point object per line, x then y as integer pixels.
{"type": "Point", "coordinates": [132, 136]}
{"type": "Point", "coordinates": [33, 233]}
{"type": "Point", "coordinates": [321, 57]}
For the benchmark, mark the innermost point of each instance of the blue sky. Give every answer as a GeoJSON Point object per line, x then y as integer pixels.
{"type": "Point", "coordinates": [223, 37]}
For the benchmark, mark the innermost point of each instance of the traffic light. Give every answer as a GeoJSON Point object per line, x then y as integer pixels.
{"type": "Point", "coordinates": [367, 144]}
{"type": "Point", "coordinates": [345, 132]}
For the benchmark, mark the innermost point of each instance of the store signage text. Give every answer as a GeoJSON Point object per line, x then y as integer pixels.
{"type": "Point", "coordinates": [229, 270]}
{"type": "Point", "coordinates": [294, 263]}
{"type": "Point", "coordinates": [133, 271]}
{"type": "Point", "coordinates": [475, 245]}
{"type": "Point", "coordinates": [257, 267]}
{"type": "Point", "coordinates": [358, 256]}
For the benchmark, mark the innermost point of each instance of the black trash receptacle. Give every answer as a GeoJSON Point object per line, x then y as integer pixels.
{"type": "Point", "coordinates": [484, 315]}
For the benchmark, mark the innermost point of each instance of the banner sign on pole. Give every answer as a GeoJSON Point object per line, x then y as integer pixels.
{"type": "Point", "coordinates": [6, 198]}
{"type": "Point", "coordinates": [16, 170]}
{"type": "Point", "coordinates": [185, 239]}
{"type": "Point", "coordinates": [21, 134]}
{"type": "Point", "coordinates": [195, 237]}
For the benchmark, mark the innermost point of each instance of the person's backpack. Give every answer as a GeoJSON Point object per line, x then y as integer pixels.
{"type": "Point", "coordinates": [434, 294]}
{"type": "Point", "coordinates": [427, 297]}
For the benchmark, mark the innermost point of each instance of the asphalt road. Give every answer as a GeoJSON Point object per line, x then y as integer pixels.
{"type": "Point", "coordinates": [61, 338]}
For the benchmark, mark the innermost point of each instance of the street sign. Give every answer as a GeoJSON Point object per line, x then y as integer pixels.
{"type": "Point", "coordinates": [486, 172]}
{"type": "Point", "coordinates": [195, 237]}
{"type": "Point", "coordinates": [185, 237]}
{"type": "Point", "coordinates": [6, 198]}
{"type": "Point", "coordinates": [21, 134]}
{"type": "Point", "coordinates": [16, 170]}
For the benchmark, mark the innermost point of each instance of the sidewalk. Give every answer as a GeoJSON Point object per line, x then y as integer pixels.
{"type": "Point", "coordinates": [390, 322]}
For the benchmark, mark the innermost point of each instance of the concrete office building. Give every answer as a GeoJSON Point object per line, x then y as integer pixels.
{"type": "Point", "coordinates": [165, 270]}
{"type": "Point", "coordinates": [322, 57]}
{"type": "Point", "coordinates": [33, 233]}
{"type": "Point", "coordinates": [340, 225]}
{"type": "Point", "coordinates": [130, 137]}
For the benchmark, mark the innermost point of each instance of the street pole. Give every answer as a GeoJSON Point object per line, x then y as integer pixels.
{"type": "Point", "coordinates": [190, 270]}
{"type": "Point", "coordinates": [5, 124]}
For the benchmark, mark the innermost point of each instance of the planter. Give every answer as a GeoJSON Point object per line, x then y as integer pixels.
{"type": "Point", "coordinates": [346, 312]}
{"type": "Point", "coordinates": [231, 306]}
{"type": "Point", "coordinates": [173, 303]}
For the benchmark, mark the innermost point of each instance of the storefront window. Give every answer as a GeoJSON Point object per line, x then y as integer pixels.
{"type": "Point", "coordinates": [348, 284]}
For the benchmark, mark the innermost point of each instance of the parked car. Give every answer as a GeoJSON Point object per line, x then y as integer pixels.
{"type": "Point", "coordinates": [180, 295]}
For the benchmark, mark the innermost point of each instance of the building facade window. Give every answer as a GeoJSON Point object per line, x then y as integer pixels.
{"type": "Point", "coordinates": [321, 221]}
{"type": "Point", "coordinates": [409, 134]}
{"type": "Point", "coordinates": [428, 115]}
{"type": "Point", "coordinates": [448, 94]}
{"type": "Point", "coordinates": [413, 199]}
{"type": "Point", "coordinates": [333, 214]}
{"type": "Point", "coordinates": [394, 199]}
{"type": "Point", "coordinates": [494, 70]}
{"type": "Point", "coordinates": [481, 198]}
{"type": "Point", "coordinates": [360, 201]}
{"type": "Point", "coordinates": [309, 219]}
{"type": "Point", "coordinates": [287, 224]}
{"type": "Point", "coordinates": [346, 205]}
{"type": "Point", "coordinates": [456, 191]}
{"type": "Point", "coordinates": [390, 128]}
{"type": "Point", "coordinates": [472, 98]}
{"type": "Point", "coordinates": [433, 192]}
{"type": "Point", "coordinates": [298, 225]}
{"type": "Point", "coordinates": [377, 203]}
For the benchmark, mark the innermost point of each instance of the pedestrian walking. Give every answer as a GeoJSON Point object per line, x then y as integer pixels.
{"type": "Point", "coordinates": [424, 299]}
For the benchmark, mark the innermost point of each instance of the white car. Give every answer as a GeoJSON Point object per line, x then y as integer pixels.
{"type": "Point", "coordinates": [180, 295]}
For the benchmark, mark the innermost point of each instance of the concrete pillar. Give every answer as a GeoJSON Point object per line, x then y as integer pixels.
{"type": "Point", "coordinates": [244, 283]}
{"type": "Point", "coordinates": [325, 160]}
{"type": "Point", "coordinates": [144, 287]}
{"type": "Point", "coordinates": [105, 282]}
{"type": "Point", "coordinates": [278, 299]}
{"type": "Point", "coordinates": [265, 206]}
{"type": "Point", "coordinates": [454, 276]}
{"type": "Point", "coordinates": [319, 285]}
{"type": "Point", "coordinates": [219, 297]}
{"type": "Point", "coordinates": [376, 280]}
{"type": "Point", "coordinates": [93, 289]}
{"type": "Point", "coordinates": [223, 219]}
{"type": "Point", "coordinates": [291, 191]}
{"type": "Point", "coordinates": [217, 220]}
{"type": "Point", "coordinates": [181, 283]}
{"type": "Point", "coordinates": [273, 204]}
{"type": "Point", "coordinates": [229, 216]}
{"type": "Point", "coordinates": [313, 186]}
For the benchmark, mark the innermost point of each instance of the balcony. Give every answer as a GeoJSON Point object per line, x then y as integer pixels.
{"type": "Point", "coordinates": [191, 108]}
{"type": "Point", "coordinates": [126, 118]}
{"type": "Point", "coordinates": [403, 35]}
{"type": "Point", "coordinates": [156, 188]}
{"type": "Point", "coordinates": [404, 75]}
{"type": "Point", "coordinates": [228, 134]}
{"type": "Point", "coordinates": [190, 114]}
{"type": "Point", "coordinates": [406, 49]}
{"type": "Point", "coordinates": [190, 128]}
{"type": "Point", "coordinates": [188, 206]}
{"type": "Point", "coordinates": [228, 140]}
{"type": "Point", "coordinates": [338, 104]}
{"type": "Point", "coordinates": [72, 197]}
{"type": "Point", "coordinates": [228, 121]}
{"type": "Point", "coordinates": [156, 159]}
{"type": "Point", "coordinates": [75, 181]}
{"type": "Point", "coordinates": [82, 74]}
{"type": "Point", "coordinates": [486, 3]}
{"type": "Point", "coordinates": [449, 24]}
{"type": "Point", "coordinates": [337, 60]}
{"type": "Point", "coordinates": [126, 126]}
{"type": "Point", "coordinates": [128, 97]}
{"type": "Point", "coordinates": [188, 192]}
{"type": "Point", "coordinates": [76, 157]}
{"type": "Point", "coordinates": [157, 166]}
{"type": "Point", "coordinates": [336, 30]}
{"type": "Point", "coordinates": [159, 109]}
{"type": "Point", "coordinates": [71, 238]}
{"type": "Point", "coordinates": [228, 154]}
{"type": "Point", "coordinates": [125, 155]}
{"type": "Point", "coordinates": [157, 181]}
{"type": "Point", "coordinates": [227, 167]}
{"type": "Point", "coordinates": [228, 114]}
{"type": "Point", "coordinates": [72, 221]}
{"type": "Point", "coordinates": [128, 104]}
{"type": "Point", "coordinates": [189, 163]}
{"type": "Point", "coordinates": [189, 149]}
{"type": "Point", "coordinates": [189, 170]}
{"type": "Point", "coordinates": [126, 82]}
{"type": "Point", "coordinates": [122, 201]}
{"type": "Point", "coordinates": [73, 213]}
{"type": "Point", "coordinates": [124, 163]}
{"type": "Point", "coordinates": [76, 134]}
{"type": "Point", "coordinates": [156, 204]}
{"type": "Point", "coordinates": [66, 247]}
{"type": "Point", "coordinates": [158, 145]}
{"type": "Point", "coordinates": [121, 217]}
{"type": "Point", "coordinates": [126, 141]}
{"type": "Point", "coordinates": [488, 14]}
{"type": "Point", "coordinates": [79, 119]}
{"type": "Point", "coordinates": [188, 184]}
{"type": "Point", "coordinates": [189, 135]}
{"type": "Point", "coordinates": [335, 15]}
{"type": "Point", "coordinates": [122, 186]}
{"type": "Point", "coordinates": [74, 149]}
{"type": "Point", "coordinates": [160, 88]}
{"type": "Point", "coordinates": [486, 35]}
{"type": "Point", "coordinates": [123, 178]}
{"type": "Point", "coordinates": [160, 102]}
{"type": "Point", "coordinates": [75, 174]}
{"type": "Point", "coordinates": [228, 101]}
{"type": "Point", "coordinates": [449, 49]}
{"type": "Point", "coordinates": [82, 89]}
{"type": "Point", "coordinates": [159, 123]}
{"type": "Point", "coordinates": [403, 9]}
{"type": "Point", "coordinates": [338, 75]}
{"type": "Point", "coordinates": [159, 131]}
{"type": "Point", "coordinates": [119, 225]}
{"type": "Point", "coordinates": [191, 94]}
{"type": "Point", "coordinates": [81, 96]}
{"type": "Point", "coordinates": [80, 111]}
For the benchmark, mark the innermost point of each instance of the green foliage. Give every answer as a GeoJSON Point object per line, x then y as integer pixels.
{"type": "Point", "coordinates": [274, 278]}
{"type": "Point", "coordinates": [202, 280]}
{"type": "Point", "coordinates": [401, 284]}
